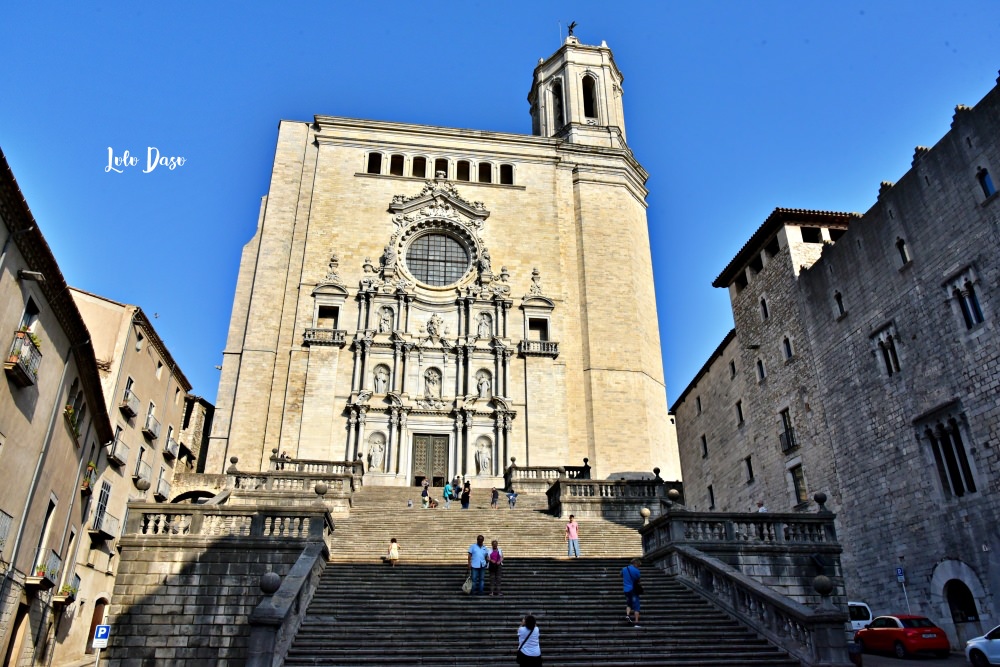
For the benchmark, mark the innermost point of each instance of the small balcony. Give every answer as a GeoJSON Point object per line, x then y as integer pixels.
{"type": "Point", "coordinates": [142, 471]}
{"type": "Point", "coordinates": [130, 404]}
{"type": "Point", "coordinates": [151, 428]}
{"type": "Point", "coordinates": [105, 527]}
{"type": "Point", "coordinates": [539, 348]}
{"type": "Point", "coordinates": [118, 452]}
{"type": "Point", "coordinates": [162, 491]}
{"type": "Point", "coordinates": [325, 337]}
{"type": "Point", "coordinates": [171, 449]}
{"type": "Point", "coordinates": [24, 359]}
{"type": "Point", "coordinates": [88, 481]}
{"type": "Point", "coordinates": [787, 440]}
{"type": "Point", "coordinates": [67, 593]}
{"type": "Point", "coordinates": [46, 574]}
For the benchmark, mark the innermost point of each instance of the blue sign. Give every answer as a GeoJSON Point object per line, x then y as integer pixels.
{"type": "Point", "coordinates": [101, 634]}
{"type": "Point", "coordinates": [900, 575]}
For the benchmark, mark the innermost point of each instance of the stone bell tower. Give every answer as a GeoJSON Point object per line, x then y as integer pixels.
{"type": "Point", "coordinates": [577, 95]}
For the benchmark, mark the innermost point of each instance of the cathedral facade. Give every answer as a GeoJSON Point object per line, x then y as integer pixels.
{"type": "Point", "coordinates": [438, 301]}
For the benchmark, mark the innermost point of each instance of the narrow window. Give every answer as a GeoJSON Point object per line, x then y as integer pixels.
{"type": "Point", "coordinates": [972, 312]}
{"type": "Point", "coordinates": [30, 316]}
{"type": "Point", "coordinates": [139, 338]}
{"type": "Point", "coordinates": [374, 163]}
{"type": "Point", "coordinates": [761, 375]}
{"type": "Point", "coordinates": [985, 182]}
{"type": "Point", "coordinates": [419, 167]}
{"type": "Point", "coordinates": [441, 168]}
{"type": "Point", "coordinates": [950, 457]}
{"type": "Point", "coordinates": [741, 281]}
{"type": "Point", "coordinates": [904, 255]}
{"type": "Point", "coordinates": [485, 172]}
{"type": "Point", "coordinates": [739, 413]}
{"type": "Point", "coordinates": [756, 264]}
{"type": "Point", "coordinates": [506, 174]}
{"type": "Point", "coordinates": [538, 329]}
{"type": "Point", "coordinates": [748, 462]}
{"type": "Point", "coordinates": [697, 403]}
{"type": "Point", "coordinates": [787, 435]}
{"type": "Point", "coordinates": [704, 447]}
{"type": "Point", "coordinates": [589, 97]}
{"type": "Point", "coordinates": [462, 170]}
{"type": "Point", "coordinates": [839, 300]}
{"type": "Point", "coordinates": [887, 347]}
{"type": "Point", "coordinates": [396, 165]}
{"type": "Point", "coordinates": [732, 370]}
{"type": "Point", "coordinates": [43, 539]}
{"type": "Point", "coordinates": [159, 369]}
{"type": "Point", "coordinates": [799, 484]}
{"type": "Point", "coordinates": [557, 105]}
{"type": "Point", "coordinates": [102, 504]}
{"type": "Point", "coordinates": [711, 497]}
{"type": "Point", "coordinates": [786, 346]}
{"type": "Point", "coordinates": [763, 308]}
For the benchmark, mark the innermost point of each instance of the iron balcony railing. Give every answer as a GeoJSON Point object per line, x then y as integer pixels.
{"type": "Point", "coordinates": [106, 525]}
{"type": "Point", "coordinates": [130, 404]}
{"type": "Point", "coordinates": [118, 451]}
{"type": "Point", "coordinates": [539, 348]}
{"type": "Point", "coordinates": [162, 489]}
{"type": "Point", "coordinates": [787, 439]}
{"type": "Point", "coordinates": [151, 429]}
{"type": "Point", "coordinates": [24, 358]}
{"type": "Point", "coordinates": [49, 569]}
{"type": "Point", "coordinates": [171, 449]}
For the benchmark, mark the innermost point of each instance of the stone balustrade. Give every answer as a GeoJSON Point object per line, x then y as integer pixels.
{"type": "Point", "coordinates": [213, 522]}
{"type": "Point", "coordinates": [815, 636]}
{"type": "Point", "coordinates": [616, 500]}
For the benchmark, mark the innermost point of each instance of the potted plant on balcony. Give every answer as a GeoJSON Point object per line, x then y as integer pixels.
{"type": "Point", "coordinates": [41, 570]}
{"type": "Point", "coordinates": [89, 475]}
{"type": "Point", "coordinates": [32, 336]}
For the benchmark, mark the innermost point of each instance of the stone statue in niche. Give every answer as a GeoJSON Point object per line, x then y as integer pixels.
{"type": "Point", "coordinates": [484, 457]}
{"type": "Point", "coordinates": [432, 383]}
{"type": "Point", "coordinates": [483, 384]}
{"type": "Point", "coordinates": [485, 325]}
{"type": "Point", "coordinates": [376, 457]}
{"type": "Point", "coordinates": [381, 379]}
{"type": "Point", "coordinates": [435, 326]}
{"type": "Point", "coordinates": [385, 319]}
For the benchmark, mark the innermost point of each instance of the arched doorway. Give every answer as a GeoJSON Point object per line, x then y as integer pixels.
{"type": "Point", "coordinates": [18, 636]}
{"type": "Point", "coordinates": [964, 613]}
{"type": "Point", "coordinates": [95, 620]}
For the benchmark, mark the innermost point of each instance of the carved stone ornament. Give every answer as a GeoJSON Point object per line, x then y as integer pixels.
{"type": "Point", "coordinates": [332, 277]}
{"type": "Point", "coordinates": [536, 284]}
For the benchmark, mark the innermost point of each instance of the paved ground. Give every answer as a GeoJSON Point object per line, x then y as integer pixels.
{"type": "Point", "coordinates": [954, 660]}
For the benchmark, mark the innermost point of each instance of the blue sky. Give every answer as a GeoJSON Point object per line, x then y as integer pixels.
{"type": "Point", "coordinates": [733, 108]}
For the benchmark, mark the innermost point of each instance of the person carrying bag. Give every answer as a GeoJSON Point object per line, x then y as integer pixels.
{"type": "Point", "coordinates": [529, 653]}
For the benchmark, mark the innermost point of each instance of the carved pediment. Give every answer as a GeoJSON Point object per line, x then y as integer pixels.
{"type": "Point", "coordinates": [330, 289]}
{"type": "Point", "coordinates": [439, 199]}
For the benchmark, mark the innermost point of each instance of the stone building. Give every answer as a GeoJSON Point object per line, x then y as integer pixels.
{"type": "Point", "coordinates": [52, 422]}
{"type": "Point", "coordinates": [438, 301]}
{"type": "Point", "coordinates": [145, 396]}
{"type": "Point", "coordinates": [864, 364]}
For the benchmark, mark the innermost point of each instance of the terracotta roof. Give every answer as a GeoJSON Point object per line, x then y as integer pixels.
{"type": "Point", "coordinates": [778, 218]}
{"type": "Point", "coordinates": [38, 257]}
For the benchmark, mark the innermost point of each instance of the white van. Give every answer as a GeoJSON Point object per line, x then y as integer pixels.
{"type": "Point", "coordinates": [860, 615]}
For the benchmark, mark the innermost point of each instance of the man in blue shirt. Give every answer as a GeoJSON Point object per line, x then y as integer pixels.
{"type": "Point", "coordinates": [448, 492]}
{"type": "Point", "coordinates": [630, 584]}
{"type": "Point", "coordinates": [477, 564]}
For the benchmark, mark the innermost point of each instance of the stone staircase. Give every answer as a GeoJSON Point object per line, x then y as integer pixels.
{"type": "Point", "coordinates": [366, 613]}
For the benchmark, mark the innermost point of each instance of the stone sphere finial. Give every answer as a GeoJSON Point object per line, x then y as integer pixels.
{"type": "Point", "coordinates": [513, 459]}
{"type": "Point", "coordinates": [270, 582]}
{"type": "Point", "coordinates": [674, 495]}
{"type": "Point", "coordinates": [585, 460]}
{"type": "Point", "coordinates": [321, 488]}
{"type": "Point", "coordinates": [644, 513]}
{"type": "Point", "coordinates": [656, 471]}
{"type": "Point", "coordinates": [233, 460]}
{"type": "Point", "coordinates": [822, 585]}
{"type": "Point", "coordinates": [142, 484]}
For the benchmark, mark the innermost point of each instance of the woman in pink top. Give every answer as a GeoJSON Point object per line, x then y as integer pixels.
{"type": "Point", "coordinates": [573, 537]}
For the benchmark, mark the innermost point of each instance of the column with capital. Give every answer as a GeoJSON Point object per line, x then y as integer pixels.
{"type": "Point", "coordinates": [362, 410]}
{"type": "Point", "coordinates": [352, 423]}
{"type": "Point", "coordinates": [506, 354]}
{"type": "Point", "coordinates": [392, 456]}
{"type": "Point", "coordinates": [459, 455]}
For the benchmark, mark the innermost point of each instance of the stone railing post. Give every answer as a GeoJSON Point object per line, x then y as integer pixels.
{"type": "Point", "coordinates": [264, 625]}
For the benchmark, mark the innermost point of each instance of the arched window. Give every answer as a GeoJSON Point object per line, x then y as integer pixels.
{"type": "Point", "coordinates": [462, 170]}
{"type": "Point", "coordinates": [786, 346]}
{"type": "Point", "coordinates": [904, 255]}
{"type": "Point", "coordinates": [396, 165]}
{"type": "Point", "coordinates": [441, 167]}
{"type": "Point", "coordinates": [419, 168]}
{"type": "Point", "coordinates": [485, 172]}
{"type": "Point", "coordinates": [839, 300]}
{"type": "Point", "coordinates": [557, 105]}
{"type": "Point", "coordinates": [374, 163]}
{"type": "Point", "coordinates": [507, 174]}
{"type": "Point", "coordinates": [985, 182]}
{"type": "Point", "coordinates": [589, 97]}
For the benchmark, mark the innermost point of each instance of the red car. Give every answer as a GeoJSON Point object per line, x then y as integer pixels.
{"type": "Point", "coordinates": [902, 635]}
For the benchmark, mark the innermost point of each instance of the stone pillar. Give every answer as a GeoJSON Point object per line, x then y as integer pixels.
{"type": "Point", "coordinates": [403, 464]}
{"type": "Point", "coordinates": [461, 372]}
{"type": "Point", "coordinates": [362, 410]}
{"type": "Point", "coordinates": [459, 450]}
{"type": "Point", "coordinates": [352, 422]}
{"type": "Point", "coordinates": [366, 344]}
{"type": "Point", "coordinates": [392, 439]}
